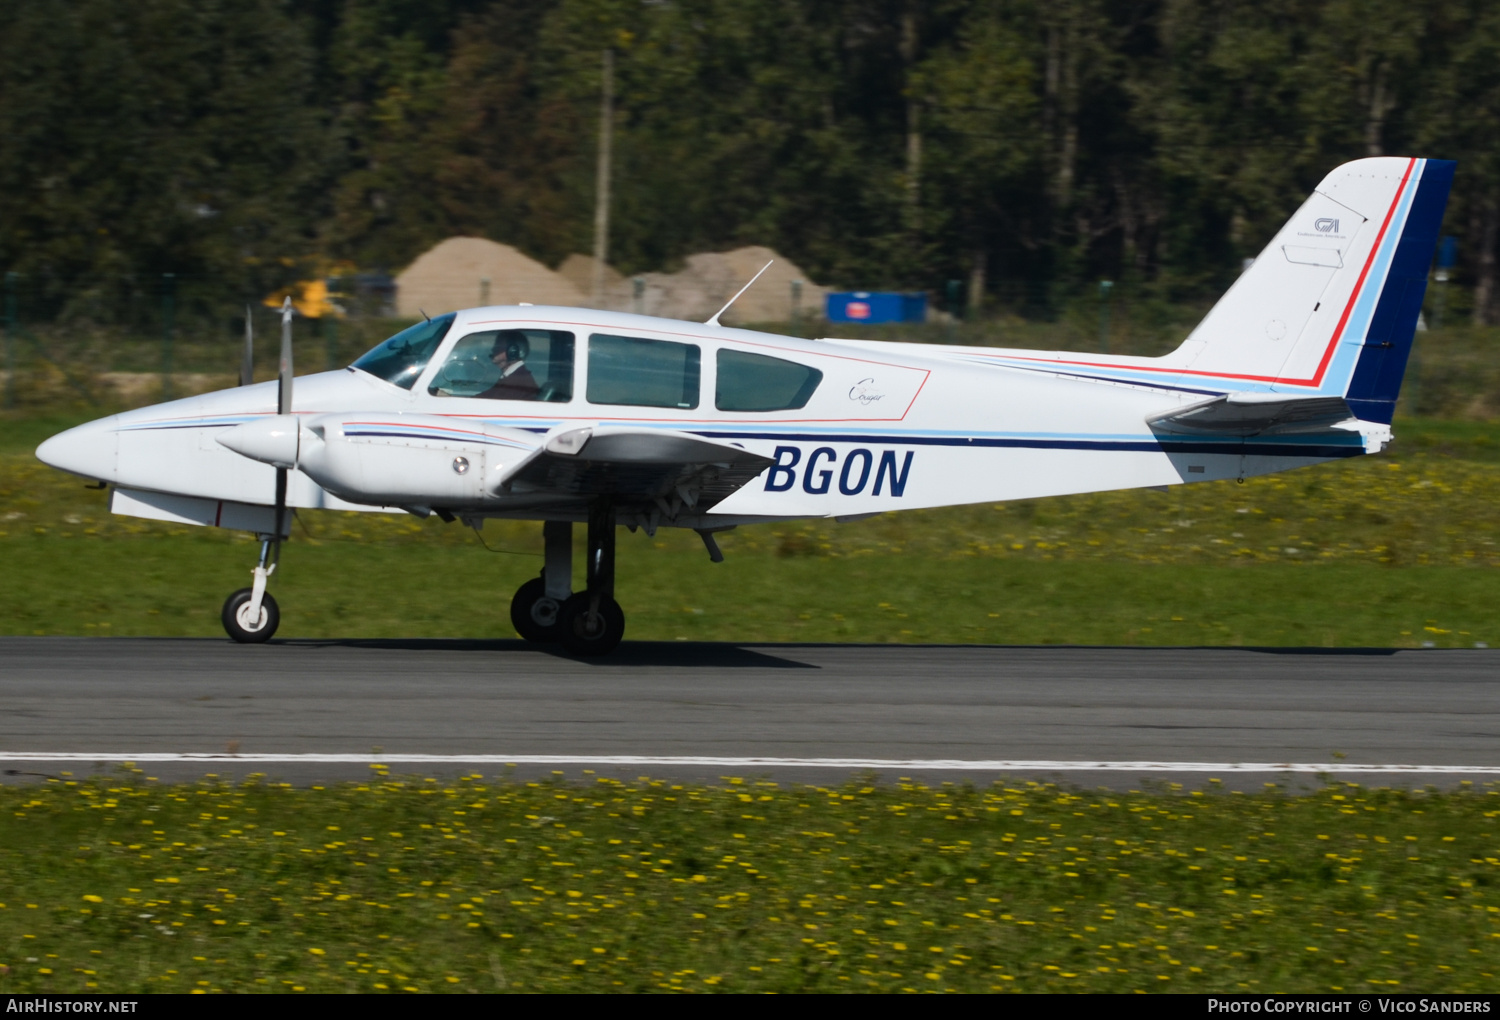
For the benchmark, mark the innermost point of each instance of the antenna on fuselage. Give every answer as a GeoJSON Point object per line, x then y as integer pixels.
{"type": "Point", "coordinates": [715, 320]}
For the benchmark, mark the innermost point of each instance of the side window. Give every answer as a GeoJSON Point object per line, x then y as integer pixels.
{"type": "Point", "coordinates": [509, 364]}
{"type": "Point", "coordinates": [643, 373]}
{"type": "Point", "coordinates": [754, 382]}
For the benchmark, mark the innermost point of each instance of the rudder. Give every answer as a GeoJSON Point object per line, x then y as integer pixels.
{"type": "Point", "coordinates": [1376, 380]}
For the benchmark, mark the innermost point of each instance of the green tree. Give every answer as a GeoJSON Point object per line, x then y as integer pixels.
{"type": "Point", "coordinates": [155, 136]}
{"type": "Point", "coordinates": [386, 81]}
{"type": "Point", "coordinates": [987, 163]}
{"type": "Point", "coordinates": [1457, 116]}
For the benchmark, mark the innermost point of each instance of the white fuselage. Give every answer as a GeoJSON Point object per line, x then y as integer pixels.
{"type": "Point", "coordinates": [890, 426]}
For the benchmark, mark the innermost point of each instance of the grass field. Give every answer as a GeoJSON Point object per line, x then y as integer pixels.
{"type": "Point", "coordinates": [1276, 561]}
{"type": "Point", "coordinates": [478, 885]}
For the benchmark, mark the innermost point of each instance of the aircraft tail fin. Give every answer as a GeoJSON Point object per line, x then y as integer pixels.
{"type": "Point", "coordinates": [1330, 307]}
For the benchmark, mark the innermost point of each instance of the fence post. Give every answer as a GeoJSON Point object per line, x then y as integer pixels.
{"type": "Point", "coordinates": [10, 340]}
{"type": "Point", "coordinates": [168, 309]}
{"type": "Point", "coordinates": [1105, 287]}
{"type": "Point", "coordinates": [247, 357]}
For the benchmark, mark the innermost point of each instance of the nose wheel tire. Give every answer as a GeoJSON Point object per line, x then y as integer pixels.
{"type": "Point", "coordinates": [239, 625]}
{"type": "Point", "coordinates": [586, 633]}
{"type": "Point", "coordinates": [533, 614]}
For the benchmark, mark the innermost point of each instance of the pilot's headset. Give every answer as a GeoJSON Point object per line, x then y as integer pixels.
{"type": "Point", "coordinates": [514, 343]}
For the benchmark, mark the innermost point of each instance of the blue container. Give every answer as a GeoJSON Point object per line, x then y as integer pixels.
{"type": "Point", "coordinates": [877, 306]}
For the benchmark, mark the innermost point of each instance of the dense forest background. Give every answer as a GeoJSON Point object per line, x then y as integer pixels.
{"type": "Point", "coordinates": [1026, 148]}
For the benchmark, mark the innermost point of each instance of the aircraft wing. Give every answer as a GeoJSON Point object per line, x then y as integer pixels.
{"type": "Point", "coordinates": [635, 464]}
{"type": "Point", "coordinates": [1253, 414]}
{"type": "Point", "coordinates": [428, 461]}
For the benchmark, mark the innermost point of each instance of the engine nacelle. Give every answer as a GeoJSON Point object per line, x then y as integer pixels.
{"type": "Point", "coordinates": [391, 460]}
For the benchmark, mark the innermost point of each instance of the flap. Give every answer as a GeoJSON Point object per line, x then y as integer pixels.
{"type": "Point", "coordinates": [625, 445]}
{"type": "Point", "coordinates": [635, 463]}
{"type": "Point", "coordinates": [1252, 414]}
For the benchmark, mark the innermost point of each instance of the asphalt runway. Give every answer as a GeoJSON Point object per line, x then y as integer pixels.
{"type": "Point", "coordinates": [1088, 716]}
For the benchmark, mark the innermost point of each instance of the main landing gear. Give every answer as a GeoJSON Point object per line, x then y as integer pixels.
{"type": "Point", "coordinates": [589, 622]}
{"type": "Point", "coordinates": [251, 615]}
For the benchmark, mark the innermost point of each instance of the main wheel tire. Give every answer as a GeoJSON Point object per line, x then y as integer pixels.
{"type": "Point", "coordinates": [533, 614]}
{"type": "Point", "coordinates": [587, 636]}
{"type": "Point", "coordinates": [236, 618]}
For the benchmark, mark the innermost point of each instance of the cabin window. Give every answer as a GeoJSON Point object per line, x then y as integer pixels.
{"type": "Point", "coordinates": [509, 364]}
{"type": "Point", "coordinates": [402, 358]}
{"type": "Point", "coordinates": [754, 382]}
{"type": "Point", "coordinates": [643, 373]}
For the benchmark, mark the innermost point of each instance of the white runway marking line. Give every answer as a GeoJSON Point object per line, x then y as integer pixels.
{"type": "Point", "coordinates": [897, 764]}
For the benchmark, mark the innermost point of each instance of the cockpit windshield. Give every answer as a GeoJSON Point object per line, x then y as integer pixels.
{"type": "Point", "coordinates": [400, 359]}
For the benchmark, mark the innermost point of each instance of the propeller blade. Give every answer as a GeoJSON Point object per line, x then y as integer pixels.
{"type": "Point", "coordinates": [247, 365]}
{"type": "Point", "coordinates": [283, 526]}
{"type": "Point", "coordinates": [284, 399]}
{"type": "Point", "coordinates": [271, 546]}
{"type": "Point", "coordinates": [284, 406]}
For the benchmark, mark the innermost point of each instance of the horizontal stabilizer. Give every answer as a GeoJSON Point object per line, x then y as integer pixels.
{"type": "Point", "coordinates": [1253, 414]}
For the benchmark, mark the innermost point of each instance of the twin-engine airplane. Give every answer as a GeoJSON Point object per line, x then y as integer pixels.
{"type": "Point", "coordinates": [565, 415]}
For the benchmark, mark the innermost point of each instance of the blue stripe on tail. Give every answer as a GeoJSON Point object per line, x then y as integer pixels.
{"type": "Point", "coordinates": [1382, 361]}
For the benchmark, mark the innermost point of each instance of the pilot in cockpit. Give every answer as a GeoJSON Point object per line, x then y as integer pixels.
{"type": "Point", "coordinates": [509, 355]}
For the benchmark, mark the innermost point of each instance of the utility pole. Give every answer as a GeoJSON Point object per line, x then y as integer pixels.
{"type": "Point", "coordinates": [601, 185]}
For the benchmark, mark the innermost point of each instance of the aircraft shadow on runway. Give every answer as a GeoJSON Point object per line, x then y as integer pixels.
{"type": "Point", "coordinates": [727, 655]}
{"type": "Point", "coordinates": [631, 654]}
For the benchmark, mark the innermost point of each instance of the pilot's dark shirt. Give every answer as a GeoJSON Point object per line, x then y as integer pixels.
{"type": "Point", "coordinates": [519, 385]}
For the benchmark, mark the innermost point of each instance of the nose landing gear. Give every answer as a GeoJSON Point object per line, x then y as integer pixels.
{"type": "Point", "coordinates": [250, 615]}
